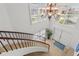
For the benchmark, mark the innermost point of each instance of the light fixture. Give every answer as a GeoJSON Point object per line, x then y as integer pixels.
{"type": "Point", "coordinates": [50, 10]}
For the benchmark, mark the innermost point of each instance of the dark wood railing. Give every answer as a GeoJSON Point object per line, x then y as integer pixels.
{"type": "Point", "coordinates": [10, 40]}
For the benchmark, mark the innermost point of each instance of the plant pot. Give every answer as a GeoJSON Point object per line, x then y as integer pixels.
{"type": "Point", "coordinates": [48, 37]}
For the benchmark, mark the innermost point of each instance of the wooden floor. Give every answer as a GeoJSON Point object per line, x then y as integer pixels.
{"type": "Point", "coordinates": [52, 52]}
{"type": "Point", "coordinates": [38, 54]}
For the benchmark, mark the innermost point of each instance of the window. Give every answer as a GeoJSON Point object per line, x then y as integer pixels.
{"type": "Point", "coordinates": [35, 12]}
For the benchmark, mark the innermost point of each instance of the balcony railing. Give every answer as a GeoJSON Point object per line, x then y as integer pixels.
{"type": "Point", "coordinates": [10, 40]}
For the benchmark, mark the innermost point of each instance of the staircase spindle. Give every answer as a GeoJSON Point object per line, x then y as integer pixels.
{"type": "Point", "coordinates": [16, 40]}
{"type": "Point", "coordinates": [14, 44]}
{"type": "Point", "coordinates": [8, 42]}
{"type": "Point", "coordinates": [22, 43]}
{"type": "Point", "coordinates": [18, 43]}
{"type": "Point", "coordinates": [4, 46]}
{"type": "Point", "coordinates": [20, 40]}
{"type": "Point", "coordinates": [26, 43]}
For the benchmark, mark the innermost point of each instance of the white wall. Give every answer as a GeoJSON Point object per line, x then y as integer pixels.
{"type": "Point", "coordinates": [70, 34]}
{"type": "Point", "coordinates": [4, 19]}
{"type": "Point", "coordinates": [20, 18]}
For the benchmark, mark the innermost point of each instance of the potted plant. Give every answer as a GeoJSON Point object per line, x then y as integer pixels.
{"type": "Point", "coordinates": [48, 33]}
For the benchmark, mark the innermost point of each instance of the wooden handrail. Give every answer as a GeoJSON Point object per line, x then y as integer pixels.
{"type": "Point", "coordinates": [3, 38]}
{"type": "Point", "coordinates": [21, 39]}
{"type": "Point", "coordinates": [21, 33]}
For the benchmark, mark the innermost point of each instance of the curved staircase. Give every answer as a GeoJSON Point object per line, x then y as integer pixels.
{"type": "Point", "coordinates": [19, 43]}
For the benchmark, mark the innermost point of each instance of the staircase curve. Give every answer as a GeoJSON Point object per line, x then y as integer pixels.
{"type": "Point", "coordinates": [19, 43]}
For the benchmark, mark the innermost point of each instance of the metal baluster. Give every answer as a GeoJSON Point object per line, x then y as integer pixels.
{"type": "Point", "coordinates": [2, 43]}
{"type": "Point", "coordinates": [32, 43]}
{"type": "Point", "coordinates": [14, 44]}
{"type": "Point", "coordinates": [28, 43]}
{"type": "Point", "coordinates": [22, 35]}
{"type": "Point", "coordinates": [17, 40]}
{"type": "Point", "coordinates": [19, 37]}
{"type": "Point", "coordinates": [25, 43]}
{"type": "Point", "coordinates": [24, 40]}
{"type": "Point", "coordinates": [1, 35]}
{"type": "Point", "coordinates": [19, 44]}
{"type": "Point", "coordinates": [8, 42]}
{"type": "Point", "coordinates": [29, 36]}
{"type": "Point", "coordinates": [4, 46]}
{"type": "Point", "coordinates": [26, 36]}
{"type": "Point", "coordinates": [11, 36]}
{"type": "Point", "coordinates": [22, 43]}
{"type": "Point", "coordinates": [14, 41]}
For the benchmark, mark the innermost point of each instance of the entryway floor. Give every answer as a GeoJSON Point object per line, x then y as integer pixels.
{"type": "Point", "coordinates": [54, 51]}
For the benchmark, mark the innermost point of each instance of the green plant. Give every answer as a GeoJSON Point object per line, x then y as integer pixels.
{"type": "Point", "coordinates": [48, 33]}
